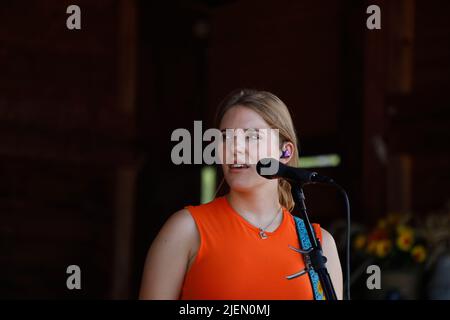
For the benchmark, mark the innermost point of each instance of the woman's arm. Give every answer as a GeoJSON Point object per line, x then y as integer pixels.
{"type": "Point", "coordinates": [167, 258]}
{"type": "Point", "coordinates": [333, 264]}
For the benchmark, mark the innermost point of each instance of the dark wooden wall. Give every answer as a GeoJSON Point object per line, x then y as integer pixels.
{"type": "Point", "coordinates": [407, 74]}
{"type": "Point", "coordinates": [420, 119]}
{"type": "Point", "coordinates": [65, 139]}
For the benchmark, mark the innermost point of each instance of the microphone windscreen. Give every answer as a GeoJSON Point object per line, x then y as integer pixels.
{"type": "Point", "coordinates": [268, 168]}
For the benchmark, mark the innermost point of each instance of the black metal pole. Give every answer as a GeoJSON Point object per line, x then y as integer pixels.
{"type": "Point", "coordinates": [318, 260]}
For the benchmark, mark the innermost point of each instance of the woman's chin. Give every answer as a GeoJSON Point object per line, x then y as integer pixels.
{"type": "Point", "coordinates": [242, 185]}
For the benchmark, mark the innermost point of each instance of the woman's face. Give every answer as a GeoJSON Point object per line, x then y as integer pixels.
{"type": "Point", "coordinates": [247, 140]}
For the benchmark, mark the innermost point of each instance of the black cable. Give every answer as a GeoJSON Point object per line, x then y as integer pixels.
{"type": "Point", "coordinates": [347, 252]}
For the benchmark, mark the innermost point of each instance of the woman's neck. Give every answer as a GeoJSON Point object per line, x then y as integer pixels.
{"type": "Point", "coordinates": [257, 207]}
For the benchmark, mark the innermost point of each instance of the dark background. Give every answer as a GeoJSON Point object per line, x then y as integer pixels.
{"type": "Point", "coordinates": [86, 118]}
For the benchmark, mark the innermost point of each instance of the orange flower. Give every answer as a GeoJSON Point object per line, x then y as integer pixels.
{"type": "Point", "coordinates": [419, 253]}
{"type": "Point", "coordinates": [382, 248]}
{"type": "Point", "coordinates": [360, 241]}
{"type": "Point", "coordinates": [371, 246]}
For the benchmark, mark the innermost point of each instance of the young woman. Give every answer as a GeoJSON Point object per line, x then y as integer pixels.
{"type": "Point", "coordinates": [238, 245]}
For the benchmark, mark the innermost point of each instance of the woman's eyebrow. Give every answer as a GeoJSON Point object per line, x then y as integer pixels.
{"type": "Point", "coordinates": [241, 129]}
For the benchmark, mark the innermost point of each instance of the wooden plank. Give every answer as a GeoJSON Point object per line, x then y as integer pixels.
{"type": "Point", "coordinates": [399, 184]}
{"type": "Point", "coordinates": [401, 15]}
{"type": "Point", "coordinates": [374, 172]}
{"type": "Point", "coordinates": [123, 234]}
{"type": "Point", "coordinates": [125, 175]}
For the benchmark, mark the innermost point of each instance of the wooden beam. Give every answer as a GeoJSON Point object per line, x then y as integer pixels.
{"type": "Point", "coordinates": [125, 192]}
{"type": "Point", "coordinates": [125, 175]}
{"type": "Point", "coordinates": [374, 171]}
{"type": "Point", "coordinates": [401, 43]}
{"type": "Point", "coordinates": [399, 183]}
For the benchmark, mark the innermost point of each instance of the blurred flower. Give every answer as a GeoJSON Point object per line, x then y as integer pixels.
{"type": "Point", "coordinates": [419, 253]}
{"type": "Point", "coordinates": [405, 238]}
{"type": "Point", "coordinates": [360, 241]}
{"type": "Point", "coordinates": [399, 241]}
{"type": "Point", "coordinates": [382, 248]}
{"type": "Point", "coordinates": [371, 247]}
{"type": "Point", "coordinates": [378, 234]}
{"type": "Point", "coordinates": [404, 229]}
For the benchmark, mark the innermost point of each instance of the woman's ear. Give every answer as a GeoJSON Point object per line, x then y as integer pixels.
{"type": "Point", "coordinates": [287, 152]}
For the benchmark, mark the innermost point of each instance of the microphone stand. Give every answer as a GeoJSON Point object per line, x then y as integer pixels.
{"type": "Point", "coordinates": [317, 258]}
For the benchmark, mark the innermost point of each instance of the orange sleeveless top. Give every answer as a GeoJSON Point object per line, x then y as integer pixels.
{"type": "Point", "coordinates": [234, 263]}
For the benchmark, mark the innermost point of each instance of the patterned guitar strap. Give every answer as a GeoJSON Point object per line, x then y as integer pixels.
{"type": "Point", "coordinates": [305, 244]}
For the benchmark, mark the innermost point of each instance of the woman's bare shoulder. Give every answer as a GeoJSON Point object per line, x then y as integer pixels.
{"type": "Point", "coordinates": [168, 257]}
{"type": "Point", "coordinates": [181, 218]}
{"type": "Point", "coordinates": [181, 227]}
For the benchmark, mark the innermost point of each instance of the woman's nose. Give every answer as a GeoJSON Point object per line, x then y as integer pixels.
{"type": "Point", "coordinates": [239, 149]}
{"type": "Point", "coordinates": [239, 142]}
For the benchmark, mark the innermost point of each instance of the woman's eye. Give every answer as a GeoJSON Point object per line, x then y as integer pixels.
{"type": "Point", "coordinates": [254, 135]}
{"type": "Point", "coordinates": [250, 135]}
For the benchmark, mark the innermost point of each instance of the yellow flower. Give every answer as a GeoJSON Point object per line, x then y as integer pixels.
{"type": "Point", "coordinates": [405, 238]}
{"type": "Point", "coordinates": [360, 241]}
{"type": "Point", "coordinates": [419, 253]}
{"type": "Point", "coordinates": [382, 248]}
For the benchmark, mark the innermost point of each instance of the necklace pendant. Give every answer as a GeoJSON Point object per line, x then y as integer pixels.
{"type": "Point", "coordinates": [262, 234]}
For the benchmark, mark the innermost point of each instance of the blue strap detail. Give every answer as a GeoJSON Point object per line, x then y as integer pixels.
{"type": "Point", "coordinates": [306, 244]}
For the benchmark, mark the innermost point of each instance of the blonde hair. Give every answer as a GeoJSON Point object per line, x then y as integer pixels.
{"type": "Point", "coordinates": [277, 116]}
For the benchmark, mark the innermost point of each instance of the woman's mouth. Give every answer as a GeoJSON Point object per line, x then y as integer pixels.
{"type": "Point", "coordinates": [238, 167]}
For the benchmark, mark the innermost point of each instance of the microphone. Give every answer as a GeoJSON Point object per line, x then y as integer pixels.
{"type": "Point", "coordinates": [270, 168]}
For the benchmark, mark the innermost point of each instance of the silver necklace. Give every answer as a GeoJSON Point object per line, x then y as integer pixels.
{"type": "Point", "coordinates": [262, 231]}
